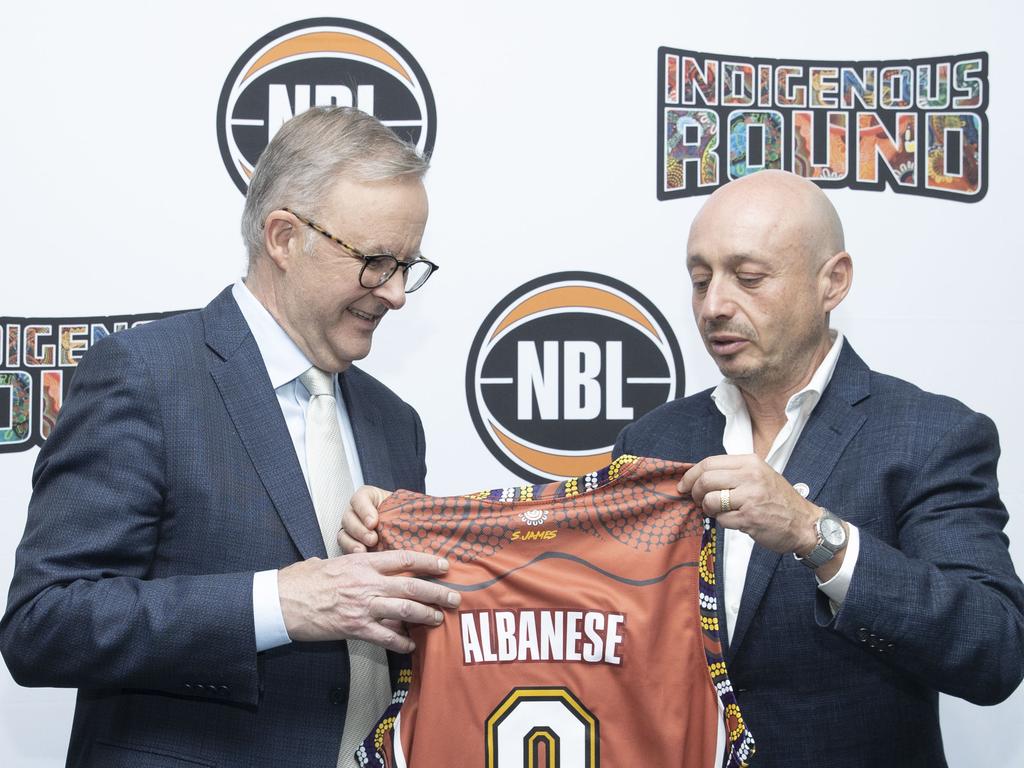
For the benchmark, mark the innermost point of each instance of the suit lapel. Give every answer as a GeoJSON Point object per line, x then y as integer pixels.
{"type": "Point", "coordinates": [699, 438]}
{"type": "Point", "coordinates": [244, 385]}
{"type": "Point", "coordinates": [368, 430]}
{"type": "Point", "coordinates": [830, 429]}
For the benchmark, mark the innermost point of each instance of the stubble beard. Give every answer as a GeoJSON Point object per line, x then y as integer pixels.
{"type": "Point", "coordinates": [771, 377]}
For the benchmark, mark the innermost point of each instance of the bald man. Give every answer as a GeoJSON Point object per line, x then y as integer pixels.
{"type": "Point", "coordinates": [864, 566]}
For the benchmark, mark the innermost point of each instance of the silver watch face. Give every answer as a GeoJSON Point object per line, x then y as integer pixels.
{"type": "Point", "coordinates": [832, 531]}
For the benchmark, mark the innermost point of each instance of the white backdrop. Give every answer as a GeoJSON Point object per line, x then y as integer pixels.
{"type": "Point", "coordinates": [118, 202]}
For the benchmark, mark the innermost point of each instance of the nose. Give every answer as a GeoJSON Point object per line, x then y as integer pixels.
{"type": "Point", "coordinates": [716, 302]}
{"type": "Point", "coordinates": [392, 292]}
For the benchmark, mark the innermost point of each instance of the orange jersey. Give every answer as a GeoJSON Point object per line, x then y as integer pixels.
{"type": "Point", "coordinates": [587, 633]}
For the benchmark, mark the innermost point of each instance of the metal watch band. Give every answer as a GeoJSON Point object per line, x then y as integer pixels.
{"type": "Point", "coordinates": [823, 551]}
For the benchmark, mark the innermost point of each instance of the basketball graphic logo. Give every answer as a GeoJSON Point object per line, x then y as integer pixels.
{"type": "Point", "coordinates": [319, 62]}
{"type": "Point", "coordinates": [562, 364]}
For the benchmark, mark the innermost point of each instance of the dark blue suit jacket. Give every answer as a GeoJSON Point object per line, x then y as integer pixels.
{"type": "Point", "coordinates": [169, 480]}
{"type": "Point", "coordinates": [934, 604]}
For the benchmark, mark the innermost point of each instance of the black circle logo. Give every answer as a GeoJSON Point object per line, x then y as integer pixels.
{"type": "Point", "coordinates": [563, 363]}
{"type": "Point", "coordinates": [319, 62]}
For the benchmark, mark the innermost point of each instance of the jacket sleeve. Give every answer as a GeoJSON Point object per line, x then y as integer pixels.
{"type": "Point", "coordinates": [83, 609]}
{"type": "Point", "coordinates": [945, 605]}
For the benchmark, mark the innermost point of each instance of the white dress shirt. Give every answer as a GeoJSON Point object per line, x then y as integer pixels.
{"type": "Point", "coordinates": [738, 439]}
{"type": "Point", "coordinates": [285, 362]}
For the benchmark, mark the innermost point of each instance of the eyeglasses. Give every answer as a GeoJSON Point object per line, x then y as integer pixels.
{"type": "Point", "coordinates": [378, 268]}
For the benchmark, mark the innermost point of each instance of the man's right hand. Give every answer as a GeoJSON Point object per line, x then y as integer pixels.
{"type": "Point", "coordinates": [368, 596]}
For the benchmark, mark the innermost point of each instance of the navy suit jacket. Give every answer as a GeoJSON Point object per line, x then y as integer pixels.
{"type": "Point", "coordinates": [170, 478]}
{"type": "Point", "coordinates": [934, 604]}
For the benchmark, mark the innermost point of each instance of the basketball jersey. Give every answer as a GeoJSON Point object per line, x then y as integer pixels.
{"type": "Point", "coordinates": [587, 633]}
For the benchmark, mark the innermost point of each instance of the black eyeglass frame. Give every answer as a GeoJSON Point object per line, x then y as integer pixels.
{"type": "Point", "coordinates": [372, 260]}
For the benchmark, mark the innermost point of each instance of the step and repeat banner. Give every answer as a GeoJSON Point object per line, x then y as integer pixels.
{"type": "Point", "coordinates": [571, 148]}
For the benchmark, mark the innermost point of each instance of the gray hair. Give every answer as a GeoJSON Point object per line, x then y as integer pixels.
{"type": "Point", "coordinates": [308, 155]}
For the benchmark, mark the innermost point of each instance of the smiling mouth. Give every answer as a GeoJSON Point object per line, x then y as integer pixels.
{"type": "Point", "coordinates": [367, 316]}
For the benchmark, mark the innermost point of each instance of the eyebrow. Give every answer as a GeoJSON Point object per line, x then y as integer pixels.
{"type": "Point", "coordinates": [732, 260]}
{"type": "Point", "coordinates": [378, 249]}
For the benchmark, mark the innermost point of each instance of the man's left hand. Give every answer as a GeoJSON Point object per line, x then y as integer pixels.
{"type": "Point", "coordinates": [359, 522]}
{"type": "Point", "coordinates": [762, 503]}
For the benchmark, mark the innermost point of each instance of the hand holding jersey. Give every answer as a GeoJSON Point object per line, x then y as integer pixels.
{"type": "Point", "coordinates": [744, 493]}
{"type": "Point", "coordinates": [359, 521]}
{"type": "Point", "coordinates": [364, 596]}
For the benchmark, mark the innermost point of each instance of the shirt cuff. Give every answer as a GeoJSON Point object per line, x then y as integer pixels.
{"type": "Point", "coordinates": [837, 587]}
{"type": "Point", "coordinates": [266, 612]}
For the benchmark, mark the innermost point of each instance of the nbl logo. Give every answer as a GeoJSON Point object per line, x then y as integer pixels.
{"type": "Point", "coordinates": [561, 365]}
{"type": "Point", "coordinates": [319, 62]}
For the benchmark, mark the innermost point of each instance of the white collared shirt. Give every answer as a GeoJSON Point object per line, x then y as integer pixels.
{"type": "Point", "coordinates": [738, 439]}
{"type": "Point", "coordinates": [285, 362]}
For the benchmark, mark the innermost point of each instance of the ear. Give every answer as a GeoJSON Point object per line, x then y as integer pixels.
{"type": "Point", "coordinates": [836, 278]}
{"type": "Point", "coordinates": [282, 238]}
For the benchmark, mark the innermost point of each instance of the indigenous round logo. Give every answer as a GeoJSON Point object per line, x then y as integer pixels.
{"type": "Point", "coordinates": [561, 365]}
{"type": "Point", "coordinates": [319, 62]}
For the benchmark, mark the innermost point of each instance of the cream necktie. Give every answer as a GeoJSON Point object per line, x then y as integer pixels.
{"type": "Point", "coordinates": [330, 483]}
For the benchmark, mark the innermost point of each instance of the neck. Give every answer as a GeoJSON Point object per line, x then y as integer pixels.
{"type": "Point", "coordinates": [263, 287]}
{"type": "Point", "coordinates": [766, 401]}
{"type": "Point", "coordinates": [263, 290]}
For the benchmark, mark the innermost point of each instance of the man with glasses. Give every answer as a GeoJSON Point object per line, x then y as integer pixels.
{"type": "Point", "coordinates": [179, 561]}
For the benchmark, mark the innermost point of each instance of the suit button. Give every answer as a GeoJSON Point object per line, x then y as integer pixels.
{"type": "Point", "coordinates": [338, 696]}
{"type": "Point", "coordinates": [863, 634]}
{"type": "Point", "coordinates": [222, 690]}
{"type": "Point", "coordinates": [188, 686]}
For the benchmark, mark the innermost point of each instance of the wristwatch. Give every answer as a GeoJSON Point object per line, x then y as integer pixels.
{"type": "Point", "coordinates": [831, 538]}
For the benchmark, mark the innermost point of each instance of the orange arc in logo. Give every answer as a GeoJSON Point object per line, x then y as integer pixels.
{"type": "Point", "coordinates": [576, 296]}
{"type": "Point", "coordinates": [552, 463]}
{"type": "Point", "coordinates": [339, 42]}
